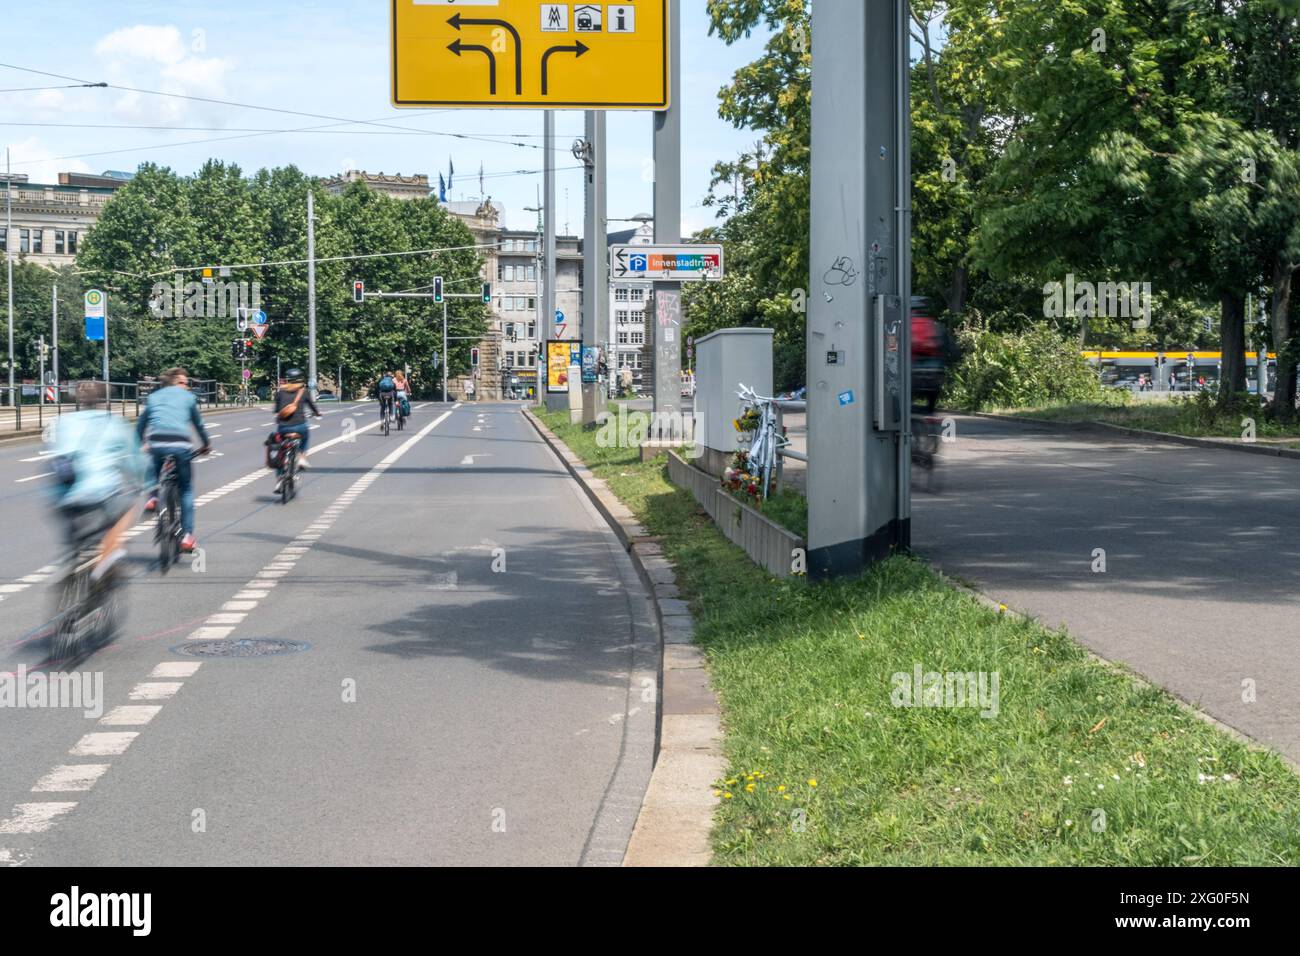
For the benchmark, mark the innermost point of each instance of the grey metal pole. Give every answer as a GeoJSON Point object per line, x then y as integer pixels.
{"type": "Point", "coordinates": [41, 352]}
{"type": "Point", "coordinates": [9, 268]}
{"type": "Point", "coordinates": [595, 261]}
{"type": "Point", "coordinates": [311, 291]}
{"type": "Point", "coordinates": [54, 346]}
{"type": "Point", "coordinates": [559, 400]}
{"type": "Point", "coordinates": [666, 319]}
{"type": "Point", "coordinates": [108, 386]}
{"type": "Point", "coordinates": [858, 385]}
{"type": "Point", "coordinates": [446, 359]}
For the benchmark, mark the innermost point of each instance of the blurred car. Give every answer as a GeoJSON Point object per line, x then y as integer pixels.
{"type": "Point", "coordinates": [327, 396]}
{"type": "Point", "coordinates": [933, 351]}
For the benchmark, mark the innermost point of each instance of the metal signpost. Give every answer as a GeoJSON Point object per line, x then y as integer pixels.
{"type": "Point", "coordinates": [667, 309]}
{"type": "Point", "coordinates": [595, 296]}
{"type": "Point", "coordinates": [859, 388]}
{"type": "Point", "coordinates": [523, 54]}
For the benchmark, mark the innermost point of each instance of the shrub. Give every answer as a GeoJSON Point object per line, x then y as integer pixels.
{"type": "Point", "coordinates": [1019, 370]}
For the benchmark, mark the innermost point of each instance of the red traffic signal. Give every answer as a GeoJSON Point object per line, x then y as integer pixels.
{"type": "Point", "coordinates": [358, 291]}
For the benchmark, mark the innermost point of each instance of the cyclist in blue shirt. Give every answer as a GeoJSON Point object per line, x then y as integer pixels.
{"type": "Point", "coordinates": [165, 423]}
{"type": "Point", "coordinates": [387, 393]}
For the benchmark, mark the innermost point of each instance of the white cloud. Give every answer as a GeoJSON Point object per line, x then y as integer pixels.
{"type": "Point", "coordinates": [158, 58]}
{"type": "Point", "coordinates": [33, 157]}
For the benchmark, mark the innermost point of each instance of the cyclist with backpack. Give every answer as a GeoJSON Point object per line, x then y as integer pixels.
{"type": "Point", "coordinates": [403, 394]}
{"type": "Point", "coordinates": [387, 389]}
{"type": "Point", "coordinates": [99, 470]}
{"type": "Point", "coordinates": [290, 413]}
{"type": "Point", "coordinates": [165, 423]}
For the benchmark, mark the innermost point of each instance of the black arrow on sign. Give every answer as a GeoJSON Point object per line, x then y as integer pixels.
{"type": "Point", "coordinates": [577, 49]}
{"type": "Point", "coordinates": [458, 21]}
{"type": "Point", "coordinates": [457, 47]}
{"type": "Point", "coordinates": [621, 256]}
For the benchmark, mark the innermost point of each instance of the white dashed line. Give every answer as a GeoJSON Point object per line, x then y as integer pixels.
{"type": "Point", "coordinates": [130, 715]}
{"type": "Point", "coordinates": [108, 744]}
{"type": "Point", "coordinates": [44, 474]}
{"type": "Point", "coordinates": [154, 690]}
{"type": "Point", "coordinates": [34, 817]}
{"type": "Point", "coordinates": [71, 778]}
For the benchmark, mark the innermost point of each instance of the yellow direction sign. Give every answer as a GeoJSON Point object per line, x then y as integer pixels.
{"type": "Point", "coordinates": [525, 54]}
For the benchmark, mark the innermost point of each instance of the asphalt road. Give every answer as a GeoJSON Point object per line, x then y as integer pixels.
{"type": "Point", "coordinates": [478, 687]}
{"type": "Point", "coordinates": [1201, 584]}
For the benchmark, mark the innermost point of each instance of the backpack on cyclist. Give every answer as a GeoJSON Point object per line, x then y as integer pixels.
{"type": "Point", "coordinates": [406, 406]}
{"type": "Point", "coordinates": [386, 384]}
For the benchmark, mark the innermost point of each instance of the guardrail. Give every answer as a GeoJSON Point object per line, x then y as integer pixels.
{"type": "Point", "coordinates": [781, 406]}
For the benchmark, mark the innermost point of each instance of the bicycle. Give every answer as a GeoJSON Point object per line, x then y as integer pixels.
{"type": "Point", "coordinates": [168, 530]}
{"type": "Point", "coordinates": [88, 612]}
{"type": "Point", "coordinates": [288, 470]}
{"type": "Point", "coordinates": [401, 415]}
{"type": "Point", "coordinates": [386, 416]}
{"type": "Point", "coordinates": [767, 441]}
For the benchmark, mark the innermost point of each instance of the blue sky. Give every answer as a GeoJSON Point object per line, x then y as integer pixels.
{"type": "Point", "coordinates": [325, 57]}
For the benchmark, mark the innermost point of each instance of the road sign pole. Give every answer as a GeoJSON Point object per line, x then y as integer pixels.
{"type": "Point", "coordinates": [446, 364]}
{"type": "Point", "coordinates": [9, 269]}
{"type": "Point", "coordinates": [595, 260]}
{"type": "Point", "coordinates": [858, 327]}
{"type": "Point", "coordinates": [108, 388]}
{"type": "Point", "coordinates": [667, 312]}
{"type": "Point", "coordinates": [560, 400]}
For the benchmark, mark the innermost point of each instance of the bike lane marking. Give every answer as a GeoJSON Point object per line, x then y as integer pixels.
{"type": "Point", "coordinates": [39, 817]}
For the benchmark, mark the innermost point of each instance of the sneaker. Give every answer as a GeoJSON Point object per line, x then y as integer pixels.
{"type": "Point", "coordinates": [188, 543]}
{"type": "Point", "coordinates": [302, 463]}
{"type": "Point", "coordinates": [151, 504]}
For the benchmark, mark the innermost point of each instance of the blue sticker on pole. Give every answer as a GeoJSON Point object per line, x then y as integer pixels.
{"type": "Point", "coordinates": [846, 398]}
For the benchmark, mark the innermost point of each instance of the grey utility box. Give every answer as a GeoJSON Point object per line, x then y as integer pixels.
{"type": "Point", "coordinates": [723, 360]}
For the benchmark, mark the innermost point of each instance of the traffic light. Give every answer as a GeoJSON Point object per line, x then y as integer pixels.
{"type": "Point", "coordinates": [236, 348]}
{"type": "Point", "coordinates": [358, 291]}
{"type": "Point", "coordinates": [487, 293]}
{"type": "Point", "coordinates": [437, 288]}
{"type": "Point", "coordinates": [473, 357]}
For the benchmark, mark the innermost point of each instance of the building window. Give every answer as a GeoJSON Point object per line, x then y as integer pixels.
{"type": "Point", "coordinates": [58, 242]}
{"type": "Point", "coordinates": [4, 239]}
{"type": "Point", "coordinates": [638, 338]}
{"type": "Point", "coordinates": [620, 295]}
{"type": "Point", "coordinates": [532, 273]}
{"type": "Point", "coordinates": [38, 241]}
{"type": "Point", "coordinates": [72, 243]}
{"type": "Point", "coordinates": [500, 272]}
{"type": "Point", "coordinates": [622, 315]}
{"type": "Point", "coordinates": [510, 273]}
{"type": "Point", "coordinates": [622, 338]}
{"type": "Point", "coordinates": [532, 328]}
{"type": "Point", "coordinates": [24, 240]}
{"type": "Point", "coordinates": [638, 295]}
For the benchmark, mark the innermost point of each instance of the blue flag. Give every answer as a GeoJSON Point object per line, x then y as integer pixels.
{"type": "Point", "coordinates": [442, 189]}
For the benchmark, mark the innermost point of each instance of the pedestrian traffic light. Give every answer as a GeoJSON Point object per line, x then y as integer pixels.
{"type": "Point", "coordinates": [437, 288]}
{"type": "Point", "coordinates": [487, 293]}
{"type": "Point", "coordinates": [358, 291]}
{"type": "Point", "coordinates": [473, 357]}
{"type": "Point", "coordinates": [236, 348]}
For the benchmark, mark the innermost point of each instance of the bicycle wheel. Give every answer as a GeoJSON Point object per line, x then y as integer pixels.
{"type": "Point", "coordinates": [64, 640]}
{"type": "Point", "coordinates": [287, 482]}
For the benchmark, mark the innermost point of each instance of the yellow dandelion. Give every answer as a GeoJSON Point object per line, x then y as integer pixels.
{"type": "Point", "coordinates": [786, 797]}
{"type": "Point", "coordinates": [781, 789]}
{"type": "Point", "coordinates": [749, 788]}
{"type": "Point", "coordinates": [726, 796]}
{"type": "Point", "coordinates": [717, 793]}
{"type": "Point", "coordinates": [812, 783]}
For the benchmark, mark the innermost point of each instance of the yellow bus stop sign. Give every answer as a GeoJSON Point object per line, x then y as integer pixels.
{"type": "Point", "coordinates": [525, 54]}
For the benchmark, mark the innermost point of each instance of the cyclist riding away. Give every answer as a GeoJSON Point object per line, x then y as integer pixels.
{"type": "Point", "coordinates": [164, 424]}
{"type": "Point", "coordinates": [98, 467]}
{"type": "Point", "coordinates": [403, 395]}
{"type": "Point", "coordinates": [290, 413]}
{"type": "Point", "coordinates": [387, 393]}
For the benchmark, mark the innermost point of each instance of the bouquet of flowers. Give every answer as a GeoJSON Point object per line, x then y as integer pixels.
{"type": "Point", "coordinates": [737, 479]}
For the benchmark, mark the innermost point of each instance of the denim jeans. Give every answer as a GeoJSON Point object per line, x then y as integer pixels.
{"type": "Point", "coordinates": [184, 478]}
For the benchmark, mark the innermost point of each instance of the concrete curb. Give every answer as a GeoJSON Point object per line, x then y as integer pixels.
{"type": "Point", "coordinates": [1229, 444]}
{"type": "Point", "coordinates": [676, 818]}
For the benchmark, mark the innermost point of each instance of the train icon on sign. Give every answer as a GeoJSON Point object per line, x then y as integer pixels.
{"type": "Point", "coordinates": [586, 18]}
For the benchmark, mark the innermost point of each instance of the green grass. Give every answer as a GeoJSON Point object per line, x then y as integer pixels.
{"type": "Point", "coordinates": [1176, 417]}
{"type": "Point", "coordinates": [804, 672]}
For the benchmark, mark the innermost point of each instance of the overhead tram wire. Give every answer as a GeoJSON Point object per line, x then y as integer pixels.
{"type": "Point", "coordinates": [252, 106]}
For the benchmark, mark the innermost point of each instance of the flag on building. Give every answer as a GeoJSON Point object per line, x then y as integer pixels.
{"type": "Point", "coordinates": [480, 178]}
{"type": "Point", "coordinates": [451, 171]}
{"type": "Point", "coordinates": [442, 188]}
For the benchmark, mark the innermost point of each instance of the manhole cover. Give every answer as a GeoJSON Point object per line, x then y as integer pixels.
{"type": "Point", "coordinates": [241, 648]}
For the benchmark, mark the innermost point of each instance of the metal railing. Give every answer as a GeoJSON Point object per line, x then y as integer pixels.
{"type": "Point", "coordinates": [31, 407]}
{"type": "Point", "coordinates": [781, 406]}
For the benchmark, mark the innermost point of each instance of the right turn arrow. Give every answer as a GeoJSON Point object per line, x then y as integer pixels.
{"type": "Point", "coordinates": [577, 50]}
